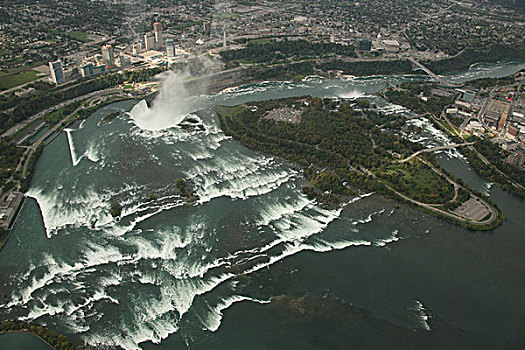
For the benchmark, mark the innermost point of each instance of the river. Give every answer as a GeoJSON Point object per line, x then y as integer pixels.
{"type": "Point", "coordinates": [254, 264]}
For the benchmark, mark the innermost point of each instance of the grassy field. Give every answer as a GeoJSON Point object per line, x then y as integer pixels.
{"type": "Point", "coordinates": [260, 41]}
{"type": "Point", "coordinates": [245, 61]}
{"type": "Point", "coordinates": [419, 182]}
{"type": "Point", "coordinates": [13, 79]}
{"type": "Point", "coordinates": [78, 35]}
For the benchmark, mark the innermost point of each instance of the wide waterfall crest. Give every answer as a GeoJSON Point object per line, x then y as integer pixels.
{"type": "Point", "coordinates": [169, 108]}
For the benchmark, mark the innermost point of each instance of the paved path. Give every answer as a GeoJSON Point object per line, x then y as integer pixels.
{"type": "Point", "coordinates": [435, 149]}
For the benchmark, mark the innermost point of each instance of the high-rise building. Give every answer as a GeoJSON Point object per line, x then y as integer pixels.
{"type": "Point", "coordinates": [170, 48]}
{"type": "Point", "coordinates": [57, 72]}
{"type": "Point", "coordinates": [224, 41]}
{"type": "Point", "coordinates": [364, 45]}
{"type": "Point", "coordinates": [149, 42]}
{"type": "Point", "coordinates": [108, 56]}
{"type": "Point", "coordinates": [206, 27]}
{"type": "Point", "coordinates": [125, 61]}
{"type": "Point", "coordinates": [137, 49]}
{"type": "Point", "coordinates": [157, 29]}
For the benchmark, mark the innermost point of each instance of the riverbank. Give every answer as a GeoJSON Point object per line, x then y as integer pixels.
{"type": "Point", "coordinates": [51, 339]}
{"type": "Point", "coordinates": [18, 340]}
{"type": "Point", "coordinates": [31, 155]}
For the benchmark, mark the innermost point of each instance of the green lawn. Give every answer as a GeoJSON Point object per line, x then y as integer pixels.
{"type": "Point", "coordinates": [419, 182]}
{"type": "Point", "coordinates": [11, 80]}
{"type": "Point", "coordinates": [74, 34]}
{"type": "Point", "coordinates": [260, 41]}
{"type": "Point", "coordinates": [78, 35]}
{"type": "Point", "coordinates": [245, 61]}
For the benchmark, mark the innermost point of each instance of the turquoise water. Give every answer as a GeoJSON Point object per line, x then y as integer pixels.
{"type": "Point", "coordinates": [254, 264]}
{"type": "Point", "coordinates": [23, 341]}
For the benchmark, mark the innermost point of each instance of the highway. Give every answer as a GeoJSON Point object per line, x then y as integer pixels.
{"type": "Point", "coordinates": [31, 119]}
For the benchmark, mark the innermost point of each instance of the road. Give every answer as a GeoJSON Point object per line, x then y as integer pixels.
{"type": "Point", "coordinates": [493, 213]}
{"type": "Point", "coordinates": [430, 73]}
{"type": "Point", "coordinates": [31, 119]}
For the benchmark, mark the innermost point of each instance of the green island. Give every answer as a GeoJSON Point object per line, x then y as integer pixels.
{"type": "Point", "coordinates": [109, 118]}
{"type": "Point", "coordinates": [186, 190]}
{"type": "Point", "coordinates": [344, 151]}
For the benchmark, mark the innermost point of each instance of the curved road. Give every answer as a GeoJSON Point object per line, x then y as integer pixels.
{"type": "Point", "coordinates": [435, 149]}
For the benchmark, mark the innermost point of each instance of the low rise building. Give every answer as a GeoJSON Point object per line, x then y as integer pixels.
{"type": "Point", "coordinates": [9, 209]}
{"type": "Point", "coordinates": [89, 70]}
{"type": "Point", "coordinates": [517, 158]}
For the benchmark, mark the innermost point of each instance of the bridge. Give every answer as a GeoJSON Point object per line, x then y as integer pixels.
{"type": "Point", "coordinates": [418, 65]}
{"type": "Point", "coordinates": [436, 149]}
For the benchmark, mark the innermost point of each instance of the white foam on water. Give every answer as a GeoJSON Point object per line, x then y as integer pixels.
{"type": "Point", "coordinates": [422, 315]}
{"type": "Point", "coordinates": [313, 78]}
{"type": "Point", "coordinates": [368, 218]}
{"type": "Point", "coordinates": [487, 186]}
{"type": "Point", "coordinates": [96, 255]}
{"type": "Point", "coordinates": [114, 278]}
{"type": "Point", "coordinates": [274, 211]}
{"type": "Point", "coordinates": [294, 247]}
{"type": "Point", "coordinates": [82, 210]}
{"type": "Point", "coordinates": [213, 320]}
{"type": "Point", "coordinates": [392, 108]}
{"type": "Point", "coordinates": [238, 182]}
{"type": "Point", "coordinates": [353, 94]}
{"type": "Point", "coordinates": [74, 158]}
{"type": "Point", "coordinates": [54, 269]}
{"type": "Point", "coordinates": [92, 153]}
{"type": "Point", "coordinates": [384, 241]}
{"type": "Point", "coordinates": [438, 138]}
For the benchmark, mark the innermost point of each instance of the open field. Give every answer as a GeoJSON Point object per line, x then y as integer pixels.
{"type": "Point", "coordinates": [78, 35]}
{"type": "Point", "coordinates": [419, 182]}
{"type": "Point", "coordinates": [11, 80]}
